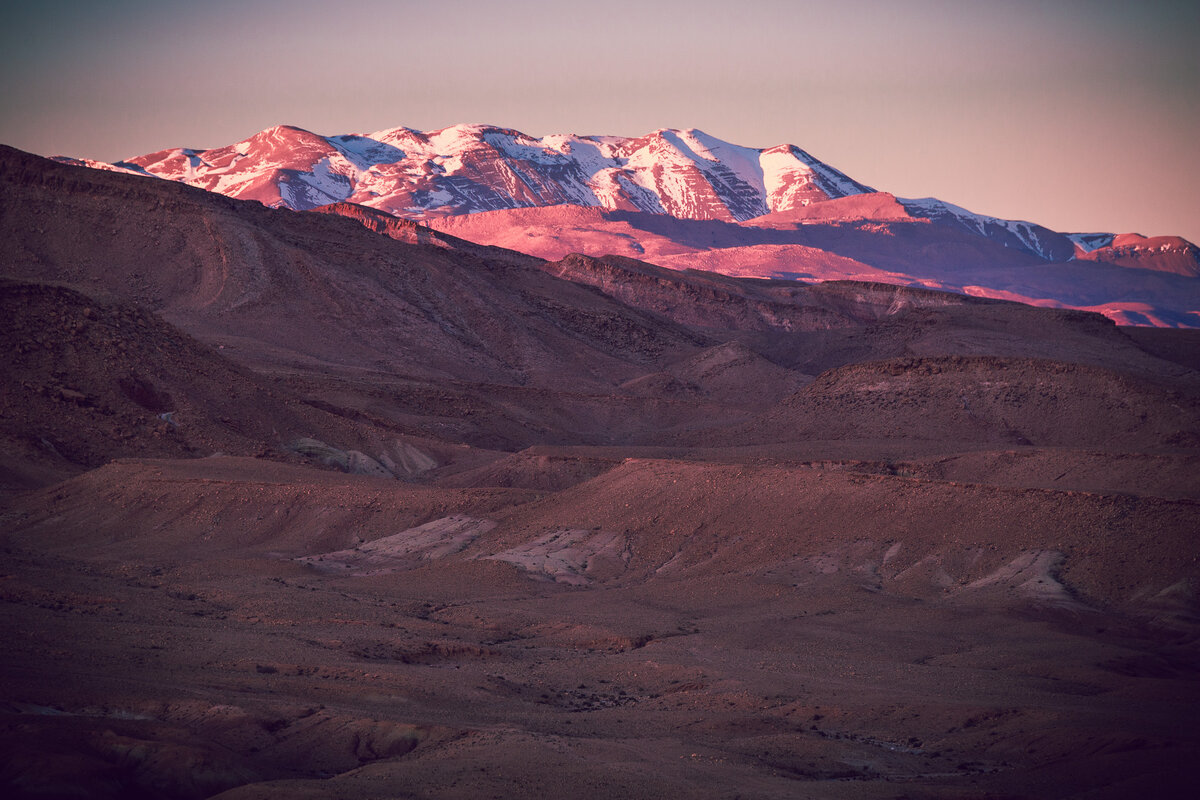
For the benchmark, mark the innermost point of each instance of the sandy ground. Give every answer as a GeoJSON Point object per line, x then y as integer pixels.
{"type": "Point", "coordinates": [469, 653]}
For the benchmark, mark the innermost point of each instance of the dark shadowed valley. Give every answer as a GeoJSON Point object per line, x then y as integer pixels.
{"type": "Point", "coordinates": [324, 504]}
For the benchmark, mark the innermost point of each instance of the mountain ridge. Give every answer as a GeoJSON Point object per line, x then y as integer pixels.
{"type": "Point", "coordinates": [469, 167]}
{"type": "Point", "coordinates": [788, 177]}
{"type": "Point", "coordinates": [483, 182]}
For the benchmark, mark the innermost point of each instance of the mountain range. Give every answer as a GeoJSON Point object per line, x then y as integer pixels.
{"type": "Point", "coordinates": [685, 199]}
{"type": "Point", "coordinates": [336, 504]}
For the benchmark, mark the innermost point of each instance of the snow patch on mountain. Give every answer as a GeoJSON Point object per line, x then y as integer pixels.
{"type": "Point", "coordinates": [1028, 236]}
{"type": "Point", "coordinates": [324, 185]}
{"type": "Point", "coordinates": [365, 152]}
{"type": "Point", "coordinates": [119, 166]}
{"type": "Point", "coordinates": [1088, 242]}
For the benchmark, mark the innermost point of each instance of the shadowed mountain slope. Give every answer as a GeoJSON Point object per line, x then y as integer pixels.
{"type": "Point", "coordinates": [986, 400]}
{"type": "Point", "coordinates": [1149, 282]}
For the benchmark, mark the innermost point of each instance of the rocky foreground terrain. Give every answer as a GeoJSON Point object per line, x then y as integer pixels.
{"type": "Point", "coordinates": [333, 505]}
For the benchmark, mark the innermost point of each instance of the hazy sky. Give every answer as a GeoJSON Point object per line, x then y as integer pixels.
{"type": "Point", "coordinates": [1078, 114]}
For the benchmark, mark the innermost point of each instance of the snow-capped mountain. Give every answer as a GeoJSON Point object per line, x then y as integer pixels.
{"type": "Point", "coordinates": [465, 169]}
{"type": "Point", "coordinates": [683, 198]}
{"type": "Point", "coordinates": [686, 174]}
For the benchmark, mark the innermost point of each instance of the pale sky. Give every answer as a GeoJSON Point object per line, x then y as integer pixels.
{"type": "Point", "coordinates": [1082, 115]}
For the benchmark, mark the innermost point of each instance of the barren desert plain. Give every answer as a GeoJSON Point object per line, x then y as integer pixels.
{"type": "Point", "coordinates": [292, 508]}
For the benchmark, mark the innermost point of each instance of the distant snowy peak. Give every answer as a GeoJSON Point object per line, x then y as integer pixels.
{"type": "Point", "coordinates": [1160, 253]}
{"type": "Point", "coordinates": [469, 168]}
{"type": "Point", "coordinates": [128, 169]}
{"type": "Point", "coordinates": [1016, 234]}
{"type": "Point", "coordinates": [683, 173]}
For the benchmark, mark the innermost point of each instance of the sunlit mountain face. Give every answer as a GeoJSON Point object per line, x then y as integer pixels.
{"type": "Point", "coordinates": [684, 199]}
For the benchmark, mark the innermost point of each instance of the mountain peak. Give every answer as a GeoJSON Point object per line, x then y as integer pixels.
{"type": "Point", "coordinates": [282, 134]}
{"type": "Point", "coordinates": [284, 130]}
{"type": "Point", "coordinates": [684, 173]}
